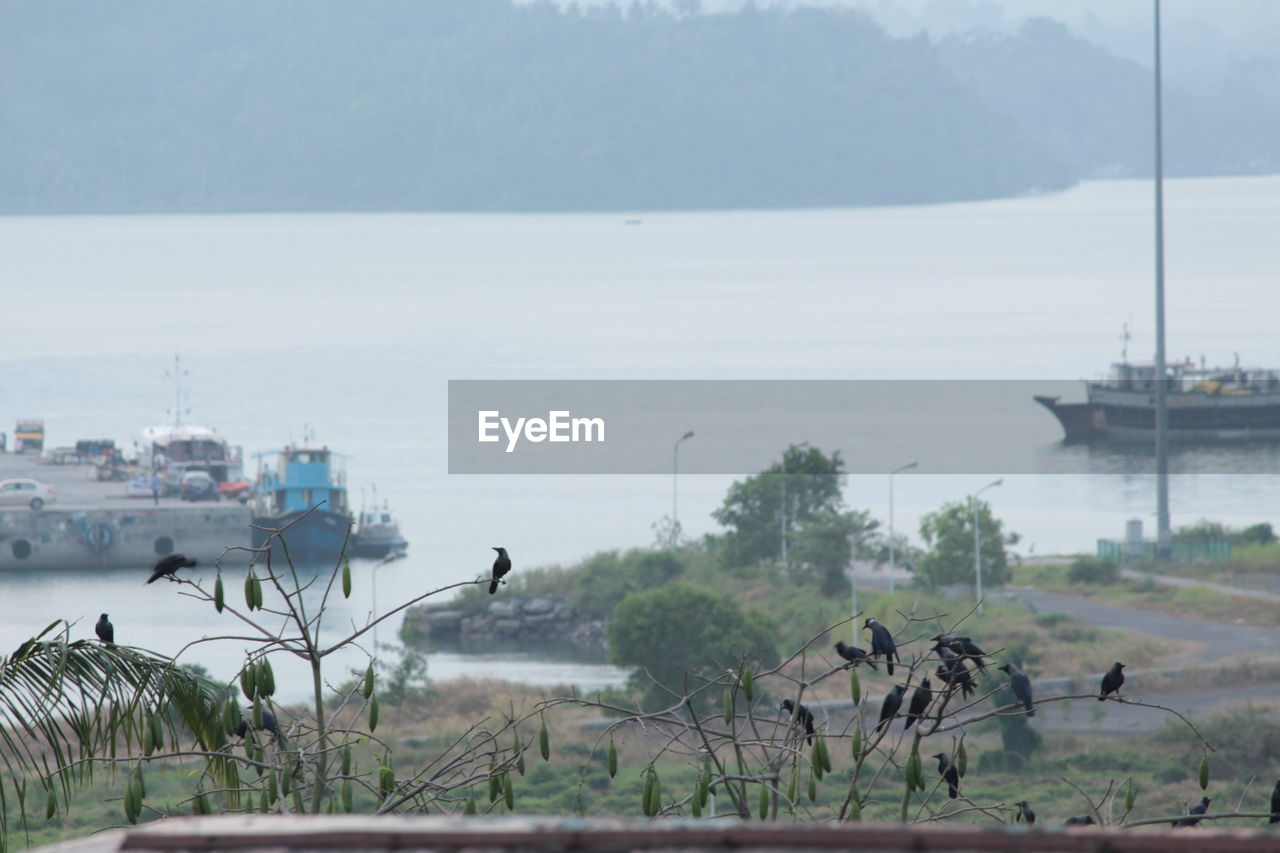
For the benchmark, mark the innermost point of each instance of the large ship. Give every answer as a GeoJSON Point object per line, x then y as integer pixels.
{"type": "Point", "coordinates": [1203, 403]}
{"type": "Point", "coordinates": [305, 497]}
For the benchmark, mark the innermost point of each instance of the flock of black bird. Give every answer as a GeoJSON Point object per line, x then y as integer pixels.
{"type": "Point", "coordinates": [952, 671]}
{"type": "Point", "coordinates": [954, 655]}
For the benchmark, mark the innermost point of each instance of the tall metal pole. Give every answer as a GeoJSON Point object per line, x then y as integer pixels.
{"type": "Point", "coordinates": [675, 473]}
{"type": "Point", "coordinates": [977, 540]}
{"type": "Point", "coordinates": [1163, 536]}
{"type": "Point", "coordinates": [892, 561]}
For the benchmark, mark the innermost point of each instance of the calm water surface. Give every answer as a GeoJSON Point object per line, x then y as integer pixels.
{"type": "Point", "coordinates": [351, 326]}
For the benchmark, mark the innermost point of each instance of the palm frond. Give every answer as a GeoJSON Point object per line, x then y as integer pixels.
{"type": "Point", "coordinates": [63, 700]}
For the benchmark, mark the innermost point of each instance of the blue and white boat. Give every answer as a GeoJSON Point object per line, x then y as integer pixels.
{"type": "Point", "coordinates": [305, 495]}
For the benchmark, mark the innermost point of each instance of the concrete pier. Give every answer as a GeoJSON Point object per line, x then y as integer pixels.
{"type": "Point", "coordinates": [94, 524]}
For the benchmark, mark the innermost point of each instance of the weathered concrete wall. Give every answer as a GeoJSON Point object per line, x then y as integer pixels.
{"type": "Point", "coordinates": [117, 538]}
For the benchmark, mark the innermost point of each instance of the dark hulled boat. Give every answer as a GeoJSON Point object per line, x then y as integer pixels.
{"type": "Point", "coordinates": [1204, 404]}
{"type": "Point", "coordinates": [306, 497]}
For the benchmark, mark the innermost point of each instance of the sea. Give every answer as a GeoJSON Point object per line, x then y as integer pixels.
{"type": "Point", "coordinates": [347, 328]}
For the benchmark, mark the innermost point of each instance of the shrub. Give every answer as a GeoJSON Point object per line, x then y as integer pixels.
{"type": "Point", "coordinates": [1093, 570]}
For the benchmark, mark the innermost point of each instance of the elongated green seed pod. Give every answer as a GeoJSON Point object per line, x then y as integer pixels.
{"type": "Point", "coordinates": [813, 788]}
{"type": "Point", "coordinates": [373, 712]}
{"type": "Point", "coordinates": [764, 802]}
{"type": "Point", "coordinates": [646, 795]}
{"type": "Point", "coordinates": [495, 787]}
{"type": "Point", "coordinates": [1129, 797]}
{"type": "Point", "coordinates": [656, 794]}
{"type": "Point", "coordinates": [346, 584]}
{"type": "Point", "coordinates": [219, 597]}
{"type": "Point", "coordinates": [148, 742]}
{"type": "Point", "coordinates": [249, 600]}
{"type": "Point", "coordinates": [248, 676]}
{"type": "Point", "coordinates": [815, 761]}
{"type": "Point", "coordinates": [728, 706]}
{"type": "Point", "coordinates": [962, 759]}
{"type": "Point", "coordinates": [142, 782]}
{"type": "Point", "coordinates": [906, 803]}
{"type": "Point", "coordinates": [821, 743]}
{"type": "Point", "coordinates": [855, 687]}
{"type": "Point", "coordinates": [266, 679]}
{"type": "Point", "coordinates": [544, 742]}
{"type": "Point", "coordinates": [855, 803]}
{"type": "Point", "coordinates": [273, 789]}
{"type": "Point", "coordinates": [613, 760]}
{"type": "Point", "coordinates": [230, 715]}
{"type": "Point", "coordinates": [508, 792]}
{"type": "Point", "coordinates": [855, 744]}
{"type": "Point", "coordinates": [346, 795]}
{"type": "Point", "coordinates": [367, 689]}
{"type": "Point", "coordinates": [695, 808]}
{"type": "Point", "coordinates": [346, 760]}
{"type": "Point", "coordinates": [792, 785]}
{"type": "Point", "coordinates": [747, 683]}
{"type": "Point", "coordinates": [157, 731]}
{"type": "Point", "coordinates": [470, 807]}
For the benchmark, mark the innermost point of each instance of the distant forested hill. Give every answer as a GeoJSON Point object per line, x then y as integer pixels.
{"type": "Point", "coordinates": [1095, 110]}
{"type": "Point", "coordinates": [481, 105]}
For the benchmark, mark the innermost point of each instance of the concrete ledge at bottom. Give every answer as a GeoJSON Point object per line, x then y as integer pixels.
{"type": "Point", "coordinates": [402, 833]}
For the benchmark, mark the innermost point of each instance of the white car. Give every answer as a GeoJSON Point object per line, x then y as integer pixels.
{"type": "Point", "coordinates": [32, 493]}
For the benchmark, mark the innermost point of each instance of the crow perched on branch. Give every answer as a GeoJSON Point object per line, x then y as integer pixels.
{"type": "Point", "coordinates": [855, 655]}
{"type": "Point", "coordinates": [1021, 685]}
{"type": "Point", "coordinates": [501, 566]}
{"type": "Point", "coordinates": [1200, 808]}
{"type": "Point", "coordinates": [170, 564]}
{"type": "Point", "coordinates": [1112, 681]}
{"type": "Point", "coordinates": [920, 699]}
{"type": "Point", "coordinates": [1024, 814]}
{"type": "Point", "coordinates": [803, 716]}
{"type": "Point", "coordinates": [269, 724]}
{"type": "Point", "coordinates": [947, 770]}
{"type": "Point", "coordinates": [964, 647]}
{"type": "Point", "coordinates": [889, 708]}
{"type": "Point", "coordinates": [882, 643]}
{"type": "Point", "coordinates": [105, 630]}
{"type": "Point", "coordinates": [953, 672]}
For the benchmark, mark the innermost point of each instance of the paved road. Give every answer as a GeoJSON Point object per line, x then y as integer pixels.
{"type": "Point", "coordinates": [1173, 580]}
{"type": "Point", "coordinates": [1215, 640]}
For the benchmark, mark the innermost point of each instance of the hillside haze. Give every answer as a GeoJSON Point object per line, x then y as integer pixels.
{"type": "Point", "coordinates": [246, 105]}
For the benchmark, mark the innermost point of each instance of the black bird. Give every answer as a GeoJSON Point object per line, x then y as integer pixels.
{"type": "Point", "coordinates": [1021, 687]}
{"type": "Point", "coordinates": [170, 564]}
{"type": "Point", "coordinates": [1024, 814]}
{"type": "Point", "coordinates": [1200, 808]}
{"type": "Point", "coordinates": [1112, 681]}
{"type": "Point", "coordinates": [854, 655]}
{"type": "Point", "coordinates": [953, 672]}
{"type": "Point", "coordinates": [920, 700]}
{"type": "Point", "coordinates": [1079, 820]}
{"type": "Point", "coordinates": [965, 647]}
{"type": "Point", "coordinates": [948, 771]}
{"type": "Point", "coordinates": [501, 566]}
{"type": "Point", "coordinates": [1275, 804]}
{"type": "Point", "coordinates": [105, 630]}
{"type": "Point", "coordinates": [882, 643]}
{"type": "Point", "coordinates": [892, 702]}
{"type": "Point", "coordinates": [803, 716]}
{"type": "Point", "coordinates": [269, 724]}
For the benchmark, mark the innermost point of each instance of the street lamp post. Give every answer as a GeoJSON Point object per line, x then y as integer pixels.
{"type": "Point", "coordinates": [892, 561]}
{"type": "Point", "coordinates": [675, 472]}
{"type": "Point", "coordinates": [782, 520]}
{"type": "Point", "coordinates": [977, 540]}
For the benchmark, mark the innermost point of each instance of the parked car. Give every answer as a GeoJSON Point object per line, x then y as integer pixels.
{"type": "Point", "coordinates": [198, 486]}
{"type": "Point", "coordinates": [32, 493]}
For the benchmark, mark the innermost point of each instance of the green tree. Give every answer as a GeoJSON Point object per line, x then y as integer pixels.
{"type": "Point", "coordinates": [801, 495]}
{"type": "Point", "coordinates": [682, 633]}
{"type": "Point", "coordinates": [948, 538]}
